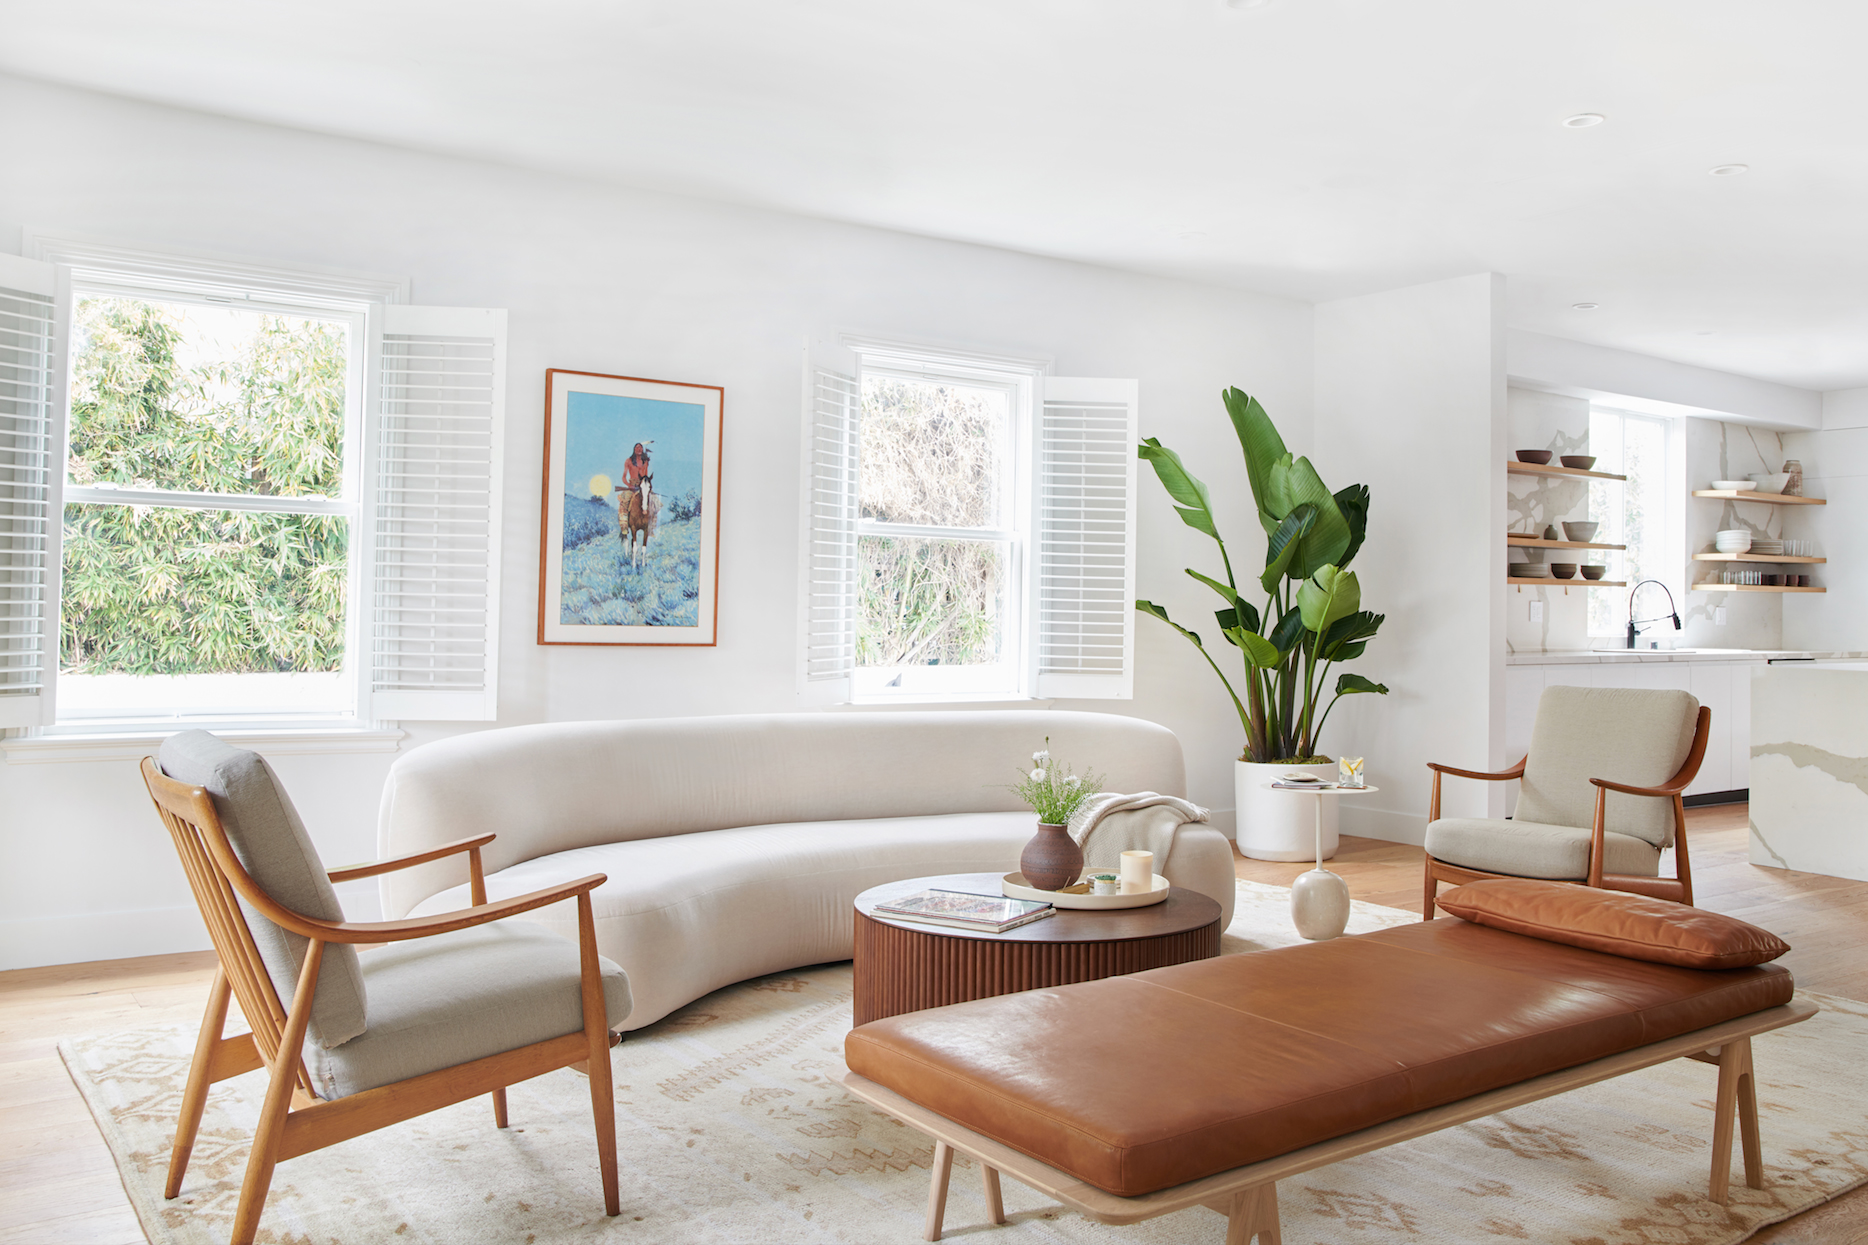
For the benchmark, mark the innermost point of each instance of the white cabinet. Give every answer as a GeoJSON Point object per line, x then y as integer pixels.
{"type": "Point", "coordinates": [1722, 686]}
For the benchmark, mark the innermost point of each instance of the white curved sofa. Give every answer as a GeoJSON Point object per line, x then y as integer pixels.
{"type": "Point", "coordinates": [735, 846]}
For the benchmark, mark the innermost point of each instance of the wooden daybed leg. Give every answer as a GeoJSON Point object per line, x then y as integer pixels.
{"type": "Point", "coordinates": [499, 1108]}
{"type": "Point", "coordinates": [995, 1202]}
{"type": "Point", "coordinates": [1251, 1213]}
{"type": "Point", "coordinates": [1736, 1103]}
{"type": "Point", "coordinates": [937, 1189]}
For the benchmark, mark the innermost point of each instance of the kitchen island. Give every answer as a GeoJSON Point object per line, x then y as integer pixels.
{"type": "Point", "coordinates": [1809, 767]}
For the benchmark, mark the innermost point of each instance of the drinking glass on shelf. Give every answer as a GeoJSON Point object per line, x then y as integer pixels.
{"type": "Point", "coordinates": [1349, 772]}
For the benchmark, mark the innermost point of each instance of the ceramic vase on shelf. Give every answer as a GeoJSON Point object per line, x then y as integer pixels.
{"type": "Point", "coordinates": [1272, 825]}
{"type": "Point", "coordinates": [1052, 860]}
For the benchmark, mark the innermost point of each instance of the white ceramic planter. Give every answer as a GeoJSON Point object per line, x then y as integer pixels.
{"type": "Point", "coordinates": [1280, 825]}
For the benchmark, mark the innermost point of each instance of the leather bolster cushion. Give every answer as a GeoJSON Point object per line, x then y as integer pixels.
{"type": "Point", "coordinates": [1621, 924]}
{"type": "Point", "coordinates": [1139, 1083]}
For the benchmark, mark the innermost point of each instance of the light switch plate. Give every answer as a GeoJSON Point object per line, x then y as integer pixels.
{"type": "Point", "coordinates": [1718, 616]}
{"type": "Point", "coordinates": [1537, 611]}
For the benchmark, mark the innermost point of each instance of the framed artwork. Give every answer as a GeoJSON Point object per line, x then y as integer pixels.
{"type": "Point", "coordinates": [630, 550]}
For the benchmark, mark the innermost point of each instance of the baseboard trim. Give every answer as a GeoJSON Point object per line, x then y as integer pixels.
{"type": "Point", "coordinates": [1705, 798]}
{"type": "Point", "coordinates": [1386, 824]}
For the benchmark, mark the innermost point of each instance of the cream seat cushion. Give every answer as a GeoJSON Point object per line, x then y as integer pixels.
{"type": "Point", "coordinates": [1529, 849]}
{"type": "Point", "coordinates": [690, 913]}
{"type": "Point", "coordinates": [453, 998]}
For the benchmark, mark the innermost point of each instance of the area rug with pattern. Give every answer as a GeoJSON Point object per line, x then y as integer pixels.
{"type": "Point", "coordinates": [732, 1128]}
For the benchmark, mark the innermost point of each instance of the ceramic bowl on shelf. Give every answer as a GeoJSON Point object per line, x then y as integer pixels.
{"type": "Point", "coordinates": [1540, 457]}
{"type": "Point", "coordinates": [1733, 486]}
{"type": "Point", "coordinates": [1594, 572]}
{"type": "Point", "coordinates": [1582, 462]}
{"type": "Point", "coordinates": [1770, 481]}
{"type": "Point", "coordinates": [1732, 542]}
{"type": "Point", "coordinates": [1563, 570]}
{"type": "Point", "coordinates": [1583, 532]}
{"type": "Point", "coordinates": [1530, 570]}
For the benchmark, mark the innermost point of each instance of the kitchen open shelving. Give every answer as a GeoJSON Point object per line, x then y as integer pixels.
{"type": "Point", "coordinates": [1711, 587]}
{"type": "Point", "coordinates": [1551, 581]}
{"type": "Point", "coordinates": [1751, 557]}
{"type": "Point", "coordinates": [1769, 499]}
{"type": "Point", "coordinates": [1534, 469]}
{"type": "Point", "coordinates": [1538, 542]}
{"type": "Point", "coordinates": [1525, 540]}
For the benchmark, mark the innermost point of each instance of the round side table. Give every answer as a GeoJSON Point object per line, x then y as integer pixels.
{"type": "Point", "coordinates": [1319, 898]}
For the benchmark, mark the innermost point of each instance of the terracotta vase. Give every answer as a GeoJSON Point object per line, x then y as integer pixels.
{"type": "Point", "coordinates": [1052, 860]}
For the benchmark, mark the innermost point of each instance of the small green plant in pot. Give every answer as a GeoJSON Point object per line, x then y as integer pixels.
{"type": "Point", "coordinates": [1311, 619]}
{"type": "Point", "coordinates": [1052, 860]}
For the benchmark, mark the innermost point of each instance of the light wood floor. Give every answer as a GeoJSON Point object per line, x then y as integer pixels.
{"type": "Point", "coordinates": [58, 1185]}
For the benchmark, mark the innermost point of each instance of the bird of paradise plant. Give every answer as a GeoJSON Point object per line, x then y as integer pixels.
{"type": "Point", "coordinates": [1312, 618]}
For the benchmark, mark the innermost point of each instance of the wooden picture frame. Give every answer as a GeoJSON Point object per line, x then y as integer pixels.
{"type": "Point", "coordinates": [626, 557]}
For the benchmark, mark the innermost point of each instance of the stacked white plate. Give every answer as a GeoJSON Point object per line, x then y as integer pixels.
{"type": "Point", "coordinates": [1735, 540]}
{"type": "Point", "coordinates": [1775, 548]}
{"type": "Point", "coordinates": [1734, 486]}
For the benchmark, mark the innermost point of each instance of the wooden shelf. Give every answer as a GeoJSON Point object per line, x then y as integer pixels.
{"type": "Point", "coordinates": [1580, 582]}
{"type": "Point", "coordinates": [1768, 499]}
{"type": "Point", "coordinates": [1533, 469]}
{"type": "Point", "coordinates": [1751, 588]}
{"type": "Point", "coordinates": [1538, 542]}
{"type": "Point", "coordinates": [1750, 557]}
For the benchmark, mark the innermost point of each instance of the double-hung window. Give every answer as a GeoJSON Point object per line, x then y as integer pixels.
{"type": "Point", "coordinates": [242, 497]}
{"type": "Point", "coordinates": [968, 528]}
{"type": "Point", "coordinates": [1637, 513]}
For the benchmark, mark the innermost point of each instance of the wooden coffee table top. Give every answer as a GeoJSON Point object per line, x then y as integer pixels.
{"type": "Point", "coordinates": [1181, 911]}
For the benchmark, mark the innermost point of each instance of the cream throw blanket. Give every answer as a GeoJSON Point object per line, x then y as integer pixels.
{"type": "Point", "coordinates": [1110, 823]}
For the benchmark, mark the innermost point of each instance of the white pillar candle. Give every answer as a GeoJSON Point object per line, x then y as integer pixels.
{"type": "Point", "coordinates": [1138, 872]}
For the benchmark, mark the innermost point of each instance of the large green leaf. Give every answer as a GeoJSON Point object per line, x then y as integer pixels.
{"type": "Point", "coordinates": [1195, 506]}
{"type": "Point", "coordinates": [1349, 652]}
{"type": "Point", "coordinates": [1259, 651]}
{"type": "Point", "coordinates": [1347, 630]}
{"type": "Point", "coordinates": [1225, 590]}
{"type": "Point", "coordinates": [1294, 483]}
{"type": "Point", "coordinates": [1350, 683]}
{"type": "Point", "coordinates": [1354, 503]}
{"type": "Point", "coordinates": [1240, 615]}
{"type": "Point", "coordinates": [1149, 607]}
{"type": "Point", "coordinates": [1328, 595]}
{"type": "Point", "coordinates": [1283, 545]}
{"type": "Point", "coordinates": [1263, 447]}
{"type": "Point", "coordinates": [1289, 631]}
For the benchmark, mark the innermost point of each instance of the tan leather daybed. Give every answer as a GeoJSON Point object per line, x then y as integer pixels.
{"type": "Point", "coordinates": [1205, 1083]}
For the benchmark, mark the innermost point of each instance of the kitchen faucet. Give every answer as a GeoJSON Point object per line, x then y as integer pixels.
{"type": "Point", "coordinates": [1633, 622]}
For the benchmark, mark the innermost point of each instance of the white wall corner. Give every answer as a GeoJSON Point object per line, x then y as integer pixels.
{"type": "Point", "coordinates": [1654, 386]}
{"type": "Point", "coordinates": [1845, 408]}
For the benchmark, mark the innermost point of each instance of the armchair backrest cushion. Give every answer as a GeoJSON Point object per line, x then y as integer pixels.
{"type": "Point", "coordinates": [1638, 736]}
{"type": "Point", "coordinates": [270, 841]}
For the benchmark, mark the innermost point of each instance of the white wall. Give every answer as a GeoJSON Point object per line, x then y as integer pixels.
{"type": "Point", "coordinates": [1410, 400]}
{"type": "Point", "coordinates": [1835, 467]}
{"type": "Point", "coordinates": [1638, 382]}
{"type": "Point", "coordinates": [611, 280]}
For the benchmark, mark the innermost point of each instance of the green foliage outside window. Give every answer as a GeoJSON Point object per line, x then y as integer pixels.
{"type": "Point", "coordinates": [161, 590]}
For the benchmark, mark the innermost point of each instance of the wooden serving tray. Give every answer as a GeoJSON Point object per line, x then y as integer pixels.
{"type": "Point", "coordinates": [1015, 887]}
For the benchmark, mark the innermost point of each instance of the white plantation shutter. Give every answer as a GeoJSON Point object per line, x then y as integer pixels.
{"type": "Point", "coordinates": [1084, 543]}
{"type": "Point", "coordinates": [433, 622]}
{"type": "Point", "coordinates": [30, 475]}
{"type": "Point", "coordinates": [827, 590]}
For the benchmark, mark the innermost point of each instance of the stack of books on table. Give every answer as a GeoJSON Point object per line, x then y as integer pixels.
{"type": "Point", "coordinates": [991, 914]}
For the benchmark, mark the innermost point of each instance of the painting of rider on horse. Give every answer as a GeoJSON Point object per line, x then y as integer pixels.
{"type": "Point", "coordinates": [631, 536]}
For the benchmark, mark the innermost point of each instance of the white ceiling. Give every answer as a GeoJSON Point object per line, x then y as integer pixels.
{"type": "Point", "coordinates": [1310, 148]}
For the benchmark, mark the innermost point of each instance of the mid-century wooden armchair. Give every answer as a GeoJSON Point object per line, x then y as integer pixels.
{"type": "Point", "coordinates": [1574, 824]}
{"type": "Point", "coordinates": [476, 1008]}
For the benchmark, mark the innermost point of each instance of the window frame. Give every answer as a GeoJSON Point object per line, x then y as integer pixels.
{"type": "Point", "coordinates": [968, 683]}
{"type": "Point", "coordinates": [1668, 545]}
{"type": "Point", "coordinates": [348, 505]}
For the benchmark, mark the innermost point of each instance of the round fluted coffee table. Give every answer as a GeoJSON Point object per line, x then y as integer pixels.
{"type": "Point", "coordinates": [906, 966]}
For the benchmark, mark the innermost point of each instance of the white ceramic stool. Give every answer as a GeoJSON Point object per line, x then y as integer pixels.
{"type": "Point", "coordinates": [1319, 898]}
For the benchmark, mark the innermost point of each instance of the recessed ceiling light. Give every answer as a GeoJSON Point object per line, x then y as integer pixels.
{"type": "Point", "coordinates": [1703, 333]}
{"type": "Point", "coordinates": [1728, 170]}
{"type": "Point", "coordinates": [1583, 120]}
{"type": "Point", "coordinates": [1584, 306]}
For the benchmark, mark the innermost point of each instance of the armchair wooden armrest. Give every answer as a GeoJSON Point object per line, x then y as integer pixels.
{"type": "Point", "coordinates": [350, 873]}
{"type": "Point", "coordinates": [1433, 803]}
{"type": "Point", "coordinates": [426, 926]}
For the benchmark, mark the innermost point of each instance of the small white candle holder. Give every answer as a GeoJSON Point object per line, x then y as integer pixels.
{"type": "Point", "coordinates": [1138, 872]}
